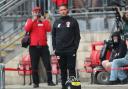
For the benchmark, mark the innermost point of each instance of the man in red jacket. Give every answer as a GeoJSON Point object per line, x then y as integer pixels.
{"type": "Point", "coordinates": [38, 28]}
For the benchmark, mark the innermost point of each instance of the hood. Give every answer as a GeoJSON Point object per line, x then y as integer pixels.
{"type": "Point", "coordinates": [119, 38]}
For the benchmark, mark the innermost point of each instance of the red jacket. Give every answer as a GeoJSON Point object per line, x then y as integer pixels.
{"type": "Point", "coordinates": [60, 2]}
{"type": "Point", "coordinates": [38, 31]}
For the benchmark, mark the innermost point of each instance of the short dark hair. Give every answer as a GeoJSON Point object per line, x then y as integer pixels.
{"type": "Point", "coordinates": [65, 5]}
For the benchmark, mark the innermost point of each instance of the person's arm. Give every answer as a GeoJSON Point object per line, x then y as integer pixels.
{"type": "Point", "coordinates": [120, 19]}
{"type": "Point", "coordinates": [77, 34]}
{"type": "Point", "coordinates": [54, 37]}
{"type": "Point", "coordinates": [28, 25]}
{"type": "Point", "coordinates": [117, 9]}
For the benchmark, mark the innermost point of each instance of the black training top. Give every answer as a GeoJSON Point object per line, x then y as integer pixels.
{"type": "Point", "coordinates": [65, 34]}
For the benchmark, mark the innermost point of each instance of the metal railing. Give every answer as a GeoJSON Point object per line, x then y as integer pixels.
{"type": "Point", "coordinates": [2, 2]}
{"type": "Point", "coordinates": [10, 35]}
{"type": "Point", "coordinates": [10, 44]}
{"type": "Point", "coordinates": [87, 5]}
{"type": "Point", "coordinates": [94, 21]}
{"type": "Point", "coordinates": [6, 32]}
{"type": "Point", "coordinates": [9, 38]}
{"type": "Point", "coordinates": [10, 5]}
{"type": "Point", "coordinates": [104, 15]}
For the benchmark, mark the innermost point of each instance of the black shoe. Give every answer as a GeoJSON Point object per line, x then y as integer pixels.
{"type": "Point", "coordinates": [64, 87]}
{"type": "Point", "coordinates": [51, 84]}
{"type": "Point", "coordinates": [125, 81]}
{"type": "Point", "coordinates": [118, 81]}
{"type": "Point", "coordinates": [113, 82]}
{"type": "Point", "coordinates": [35, 85]}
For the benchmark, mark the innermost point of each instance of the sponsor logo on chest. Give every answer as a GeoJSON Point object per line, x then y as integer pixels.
{"type": "Point", "coordinates": [40, 25]}
{"type": "Point", "coordinates": [67, 24]}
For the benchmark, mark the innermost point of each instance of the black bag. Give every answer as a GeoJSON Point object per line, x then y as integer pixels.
{"type": "Point", "coordinates": [26, 40]}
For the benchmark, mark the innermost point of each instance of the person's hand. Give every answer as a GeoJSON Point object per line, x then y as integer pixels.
{"type": "Point", "coordinates": [118, 11]}
{"type": "Point", "coordinates": [54, 53]}
{"type": "Point", "coordinates": [41, 19]}
{"type": "Point", "coordinates": [34, 18]}
{"type": "Point", "coordinates": [117, 8]}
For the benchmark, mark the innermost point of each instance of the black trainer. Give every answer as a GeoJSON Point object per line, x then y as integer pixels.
{"type": "Point", "coordinates": [125, 81]}
{"type": "Point", "coordinates": [64, 87]}
{"type": "Point", "coordinates": [51, 84]}
{"type": "Point", "coordinates": [113, 82]}
{"type": "Point", "coordinates": [35, 85]}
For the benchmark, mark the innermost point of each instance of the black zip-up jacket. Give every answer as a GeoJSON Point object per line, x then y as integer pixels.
{"type": "Point", "coordinates": [118, 51]}
{"type": "Point", "coordinates": [65, 35]}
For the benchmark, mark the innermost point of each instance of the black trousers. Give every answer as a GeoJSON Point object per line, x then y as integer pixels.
{"type": "Point", "coordinates": [67, 63]}
{"type": "Point", "coordinates": [35, 54]}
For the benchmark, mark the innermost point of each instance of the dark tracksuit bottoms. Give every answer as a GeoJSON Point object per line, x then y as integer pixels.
{"type": "Point", "coordinates": [67, 61]}
{"type": "Point", "coordinates": [35, 54]}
